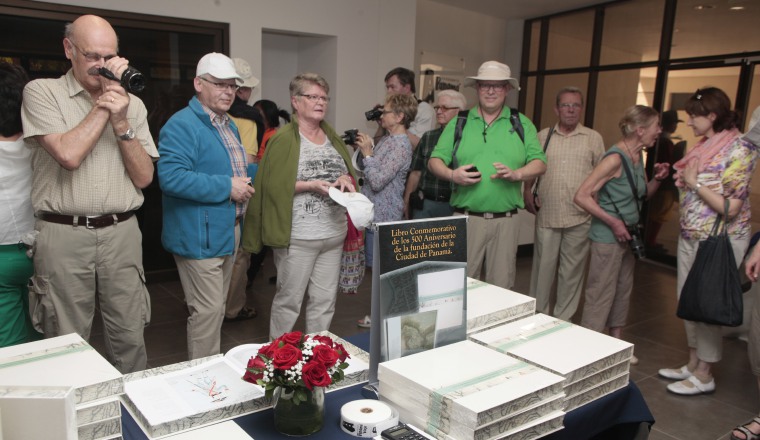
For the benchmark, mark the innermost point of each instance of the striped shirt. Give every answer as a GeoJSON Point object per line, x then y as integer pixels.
{"type": "Point", "coordinates": [234, 149]}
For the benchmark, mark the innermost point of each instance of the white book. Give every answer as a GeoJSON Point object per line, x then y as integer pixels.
{"type": "Point", "coordinates": [228, 430]}
{"type": "Point", "coordinates": [566, 349]}
{"type": "Point", "coordinates": [29, 412]}
{"type": "Point", "coordinates": [466, 383]}
{"type": "Point", "coordinates": [489, 306]}
{"type": "Point", "coordinates": [97, 410]}
{"type": "Point", "coordinates": [100, 430]}
{"type": "Point", "coordinates": [596, 392]}
{"type": "Point", "coordinates": [74, 363]}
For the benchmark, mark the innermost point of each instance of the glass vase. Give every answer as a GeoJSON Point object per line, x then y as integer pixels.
{"type": "Point", "coordinates": [304, 418]}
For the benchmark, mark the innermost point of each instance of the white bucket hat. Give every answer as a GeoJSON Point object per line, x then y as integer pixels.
{"type": "Point", "coordinates": [492, 71]}
{"type": "Point", "coordinates": [219, 66]}
{"type": "Point", "coordinates": [359, 208]}
{"type": "Point", "coordinates": [244, 70]}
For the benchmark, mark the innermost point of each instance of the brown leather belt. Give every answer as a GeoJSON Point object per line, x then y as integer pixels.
{"type": "Point", "coordinates": [487, 215]}
{"type": "Point", "coordinates": [89, 222]}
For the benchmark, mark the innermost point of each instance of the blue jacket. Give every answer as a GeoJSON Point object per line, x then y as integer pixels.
{"type": "Point", "coordinates": [195, 175]}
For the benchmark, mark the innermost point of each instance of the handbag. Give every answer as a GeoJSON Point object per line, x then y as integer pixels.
{"type": "Point", "coordinates": [712, 292]}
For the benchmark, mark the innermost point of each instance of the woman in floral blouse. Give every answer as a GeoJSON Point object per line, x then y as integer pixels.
{"type": "Point", "coordinates": [718, 168]}
{"type": "Point", "coordinates": [387, 163]}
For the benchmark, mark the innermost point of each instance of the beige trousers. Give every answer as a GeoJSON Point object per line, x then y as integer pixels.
{"type": "Point", "coordinates": [568, 247]}
{"type": "Point", "coordinates": [205, 283]}
{"type": "Point", "coordinates": [608, 290]}
{"type": "Point", "coordinates": [236, 295]}
{"type": "Point", "coordinates": [492, 243]}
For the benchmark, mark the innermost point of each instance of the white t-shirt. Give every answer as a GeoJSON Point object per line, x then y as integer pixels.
{"type": "Point", "coordinates": [316, 217]}
{"type": "Point", "coordinates": [17, 215]}
{"type": "Point", "coordinates": [424, 121]}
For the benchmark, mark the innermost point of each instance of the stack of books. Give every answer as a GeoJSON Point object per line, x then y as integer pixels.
{"type": "Point", "coordinates": [468, 391]}
{"type": "Point", "coordinates": [593, 364]}
{"type": "Point", "coordinates": [53, 365]}
{"type": "Point", "coordinates": [489, 306]}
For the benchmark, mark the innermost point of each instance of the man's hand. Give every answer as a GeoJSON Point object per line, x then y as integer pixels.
{"type": "Point", "coordinates": [461, 176]}
{"type": "Point", "coordinates": [506, 173]}
{"type": "Point", "coordinates": [532, 203]}
{"type": "Point", "coordinates": [241, 189]}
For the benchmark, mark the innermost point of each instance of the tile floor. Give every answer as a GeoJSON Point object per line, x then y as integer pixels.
{"type": "Point", "coordinates": [659, 337]}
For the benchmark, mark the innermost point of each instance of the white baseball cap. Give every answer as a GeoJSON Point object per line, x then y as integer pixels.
{"type": "Point", "coordinates": [244, 70]}
{"type": "Point", "coordinates": [493, 71]}
{"type": "Point", "coordinates": [359, 208]}
{"type": "Point", "coordinates": [218, 65]}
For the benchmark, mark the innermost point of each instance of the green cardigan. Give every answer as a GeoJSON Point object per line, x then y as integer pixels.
{"type": "Point", "coordinates": [269, 218]}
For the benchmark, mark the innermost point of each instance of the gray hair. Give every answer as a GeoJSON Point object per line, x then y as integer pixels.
{"type": "Point", "coordinates": [456, 98]}
{"type": "Point", "coordinates": [637, 116]}
{"type": "Point", "coordinates": [302, 80]}
{"type": "Point", "coordinates": [569, 89]}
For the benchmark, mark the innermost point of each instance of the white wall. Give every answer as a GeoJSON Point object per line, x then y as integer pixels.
{"type": "Point", "coordinates": [373, 36]}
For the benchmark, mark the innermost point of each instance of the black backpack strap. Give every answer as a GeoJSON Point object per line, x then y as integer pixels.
{"type": "Point", "coordinates": [514, 116]}
{"type": "Point", "coordinates": [461, 121]}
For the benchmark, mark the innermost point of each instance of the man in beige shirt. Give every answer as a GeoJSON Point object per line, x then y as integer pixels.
{"type": "Point", "coordinates": [562, 227]}
{"type": "Point", "coordinates": [92, 154]}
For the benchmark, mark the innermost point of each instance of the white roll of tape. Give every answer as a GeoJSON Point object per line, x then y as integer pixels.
{"type": "Point", "coordinates": [367, 418]}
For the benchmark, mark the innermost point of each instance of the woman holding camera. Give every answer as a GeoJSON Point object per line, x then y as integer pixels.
{"type": "Point", "coordinates": [718, 168]}
{"type": "Point", "coordinates": [293, 213]}
{"type": "Point", "coordinates": [386, 165]}
{"type": "Point", "coordinates": [613, 194]}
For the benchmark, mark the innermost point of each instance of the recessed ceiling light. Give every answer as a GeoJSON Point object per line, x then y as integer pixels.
{"type": "Point", "coordinates": [703, 7]}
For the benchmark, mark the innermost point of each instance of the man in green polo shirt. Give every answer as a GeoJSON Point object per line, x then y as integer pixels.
{"type": "Point", "coordinates": [491, 192]}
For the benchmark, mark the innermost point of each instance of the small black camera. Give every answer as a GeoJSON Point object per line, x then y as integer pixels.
{"type": "Point", "coordinates": [349, 136]}
{"type": "Point", "coordinates": [636, 243]}
{"type": "Point", "coordinates": [375, 114]}
{"type": "Point", "coordinates": [132, 79]}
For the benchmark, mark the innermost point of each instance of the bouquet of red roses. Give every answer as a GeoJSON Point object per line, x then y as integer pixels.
{"type": "Point", "coordinates": [296, 361]}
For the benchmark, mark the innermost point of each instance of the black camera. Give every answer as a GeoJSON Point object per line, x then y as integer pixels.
{"type": "Point", "coordinates": [375, 114]}
{"type": "Point", "coordinates": [349, 136]}
{"type": "Point", "coordinates": [636, 243]}
{"type": "Point", "coordinates": [132, 79]}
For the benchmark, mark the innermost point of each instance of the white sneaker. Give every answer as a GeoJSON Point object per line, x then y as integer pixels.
{"type": "Point", "coordinates": [675, 373]}
{"type": "Point", "coordinates": [692, 387]}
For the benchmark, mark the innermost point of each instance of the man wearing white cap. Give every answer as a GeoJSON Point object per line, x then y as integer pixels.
{"type": "Point", "coordinates": [206, 188]}
{"type": "Point", "coordinates": [487, 166]}
{"type": "Point", "coordinates": [92, 154]}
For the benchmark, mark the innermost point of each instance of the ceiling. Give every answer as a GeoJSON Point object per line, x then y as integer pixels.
{"type": "Point", "coordinates": [519, 9]}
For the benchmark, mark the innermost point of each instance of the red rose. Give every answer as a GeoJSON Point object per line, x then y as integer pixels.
{"type": "Point", "coordinates": [286, 356]}
{"type": "Point", "coordinates": [292, 338]}
{"type": "Point", "coordinates": [255, 370]}
{"type": "Point", "coordinates": [342, 352]}
{"type": "Point", "coordinates": [315, 375]}
{"type": "Point", "coordinates": [325, 355]}
{"type": "Point", "coordinates": [269, 349]}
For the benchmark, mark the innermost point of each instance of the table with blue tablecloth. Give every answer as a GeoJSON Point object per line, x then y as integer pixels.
{"type": "Point", "coordinates": [620, 416]}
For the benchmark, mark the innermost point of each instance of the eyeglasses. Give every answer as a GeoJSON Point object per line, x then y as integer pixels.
{"type": "Point", "coordinates": [494, 87]}
{"type": "Point", "coordinates": [316, 98]}
{"type": "Point", "coordinates": [221, 86]}
{"type": "Point", "coordinates": [444, 108]}
{"type": "Point", "coordinates": [91, 56]}
{"type": "Point", "coordinates": [569, 105]}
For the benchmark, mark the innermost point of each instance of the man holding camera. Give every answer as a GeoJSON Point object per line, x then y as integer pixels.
{"type": "Point", "coordinates": [206, 188]}
{"type": "Point", "coordinates": [400, 81]}
{"type": "Point", "coordinates": [561, 235]}
{"type": "Point", "coordinates": [92, 154]}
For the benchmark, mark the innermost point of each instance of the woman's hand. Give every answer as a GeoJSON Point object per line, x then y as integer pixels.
{"type": "Point", "coordinates": [620, 231]}
{"type": "Point", "coordinates": [661, 170]}
{"type": "Point", "coordinates": [344, 184]}
{"type": "Point", "coordinates": [752, 265]}
{"type": "Point", "coordinates": [687, 177]}
{"type": "Point", "coordinates": [365, 143]}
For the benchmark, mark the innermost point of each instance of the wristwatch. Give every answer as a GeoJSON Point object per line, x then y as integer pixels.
{"type": "Point", "coordinates": [128, 135]}
{"type": "Point", "coordinates": [696, 187]}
